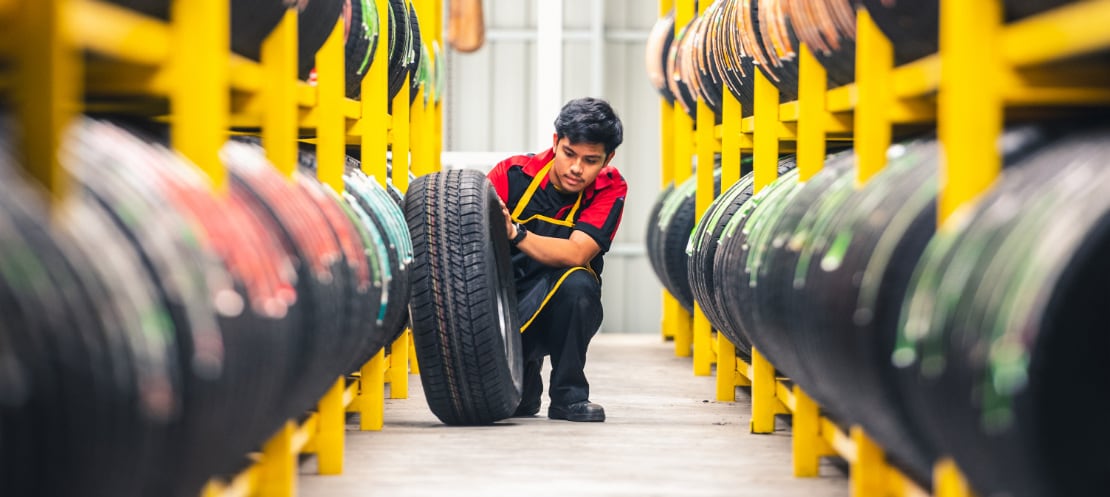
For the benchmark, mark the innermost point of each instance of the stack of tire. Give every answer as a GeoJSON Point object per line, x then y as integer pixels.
{"type": "Point", "coordinates": [963, 343]}
{"type": "Point", "coordinates": [723, 48]}
{"type": "Point", "coordinates": [155, 331]}
{"type": "Point", "coordinates": [253, 20]}
{"type": "Point", "coordinates": [968, 342]}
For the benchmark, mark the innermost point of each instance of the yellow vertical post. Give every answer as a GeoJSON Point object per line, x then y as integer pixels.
{"type": "Point", "coordinates": [806, 433]}
{"type": "Point", "coordinates": [874, 62]}
{"type": "Point", "coordinates": [331, 139]}
{"type": "Point", "coordinates": [199, 97]}
{"type": "Point", "coordinates": [402, 129]}
{"type": "Point", "coordinates": [681, 320]}
{"type": "Point", "coordinates": [420, 156]}
{"type": "Point", "coordinates": [730, 139]}
{"type": "Point", "coordinates": [730, 174]}
{"type": "Point", "coordinates": [764, 402]}
{"type": "Point", "coordinates": [666, 159]}
{"type": "Point", "coordinates": [681, 326]}
{"type": "Point", "coordinates": [439, 135]}
{"type": "Point", "coordinates": [970, 105]}
{"type": "Point", "coordinates": [437, 107]}
{"type": "Point", "coordinates": [399, 363]}
{"type": "Point", "coordinates": [278, 465]}
{"type": "Point", "coordinates": [705, 143]}
{"type": "Point", "coordinates": [666, 175]}
{"type": "Point", "coordinates": [867, 477]}
{"type": "Point", "coordinates": [428, 130]}
{"type": "Point", "coordinates": [766, 114]}
{"type": "Point", "coordinates": [375, 102]}
{"type": "Point", "coordinates": [372, 402]}
{"type": "Point", "coordinates": [812, 83]}
{"type": "Point", "coordinates": [726, 369]}
{"type": "Point", "coordinates": [48, 88]}
{"type": "Point", "coordinates": [330, 430]}
{"type": "Point", "coordinates": [418, 112]}
{"type": "Point", "coordinates": [279, 119]}
{"type": "Point", "coordinates": [948, 481]}
{"type": "Point", "coordinates": [375, 142]}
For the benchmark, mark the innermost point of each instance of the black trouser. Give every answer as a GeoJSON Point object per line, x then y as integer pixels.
{"type": "Point", "coordinates": [563, 330]}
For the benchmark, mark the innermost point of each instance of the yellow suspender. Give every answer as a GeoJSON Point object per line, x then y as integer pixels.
{"type": "Point", "coordinates": [527, 198]}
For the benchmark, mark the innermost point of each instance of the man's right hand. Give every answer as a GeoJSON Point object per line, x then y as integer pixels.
{"type": "Point", "coordinates": [510, 228]}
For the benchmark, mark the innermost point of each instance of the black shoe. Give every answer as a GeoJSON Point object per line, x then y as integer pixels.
{"type": "Point", "coordinates": [578, 411]}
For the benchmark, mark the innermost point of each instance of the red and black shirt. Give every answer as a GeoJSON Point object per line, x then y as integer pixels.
{"type": "Point", "coordinates": [596, 211]}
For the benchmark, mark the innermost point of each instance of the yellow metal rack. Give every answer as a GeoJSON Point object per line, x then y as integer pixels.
{"type": "Point", "coordinates": [211, 91]}
{"type": "Point", "coordinates": [962, 92]}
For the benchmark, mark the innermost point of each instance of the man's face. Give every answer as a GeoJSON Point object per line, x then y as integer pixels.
{"type": "Point", "coordinates": [576, 166]}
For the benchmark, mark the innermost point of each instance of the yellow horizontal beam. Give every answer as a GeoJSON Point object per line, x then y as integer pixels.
{"type": "Point", "coordinates": [747, 125]}
{"type": "Point", "coordinates": [838, 440]}
{"type": "Point", "coordinates": [127, 77]}
{"type": "Point", "coordinates": [307, 117]}
{"type": "Point", "coordinates": [744, 368]}
{"type": "Point", "coordinates": [841, 99]}
{"type": "Point", "coordinates": [788, 112]}
{"type": "Point", "coordinates": [304, 434]}
{"type": "Point", "coordinates": [918, 78]}
{"type": "Point", "coordinates": [246, 75]}
{"type": "Point", "coordinates": [350, 394]}
{"type": "Point", "coordinates": [120, 33]}
{"type": "Point", "coordinates": [306, 95]}
{"type": "Point", "coordinates": [1032, 95]}
{"type": "Point", "coordinates": [107, 77]}
{"type": "Point", "coordinates": [1068, 31]}
{"type": "Point", "coordinates": [747, 142]}
{"type": "Point", "coordinates": [836, 123]}
{"type": "Point", "coordinates": [352, 109]}
{"type": "Point", "coordinates": [788, 131]}
{"type": "Point", "coordinates": [915, 110]}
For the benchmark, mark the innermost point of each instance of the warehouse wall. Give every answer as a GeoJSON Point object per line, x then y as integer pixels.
{"type": "Point", "coordinates": [490, 113]}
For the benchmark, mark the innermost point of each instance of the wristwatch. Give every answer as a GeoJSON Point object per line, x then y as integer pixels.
{"type": "Point", "coordinates": [520, 233]}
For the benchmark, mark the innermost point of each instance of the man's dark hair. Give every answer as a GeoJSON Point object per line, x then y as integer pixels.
{"type": "Point", "coordinates": [590, 120]}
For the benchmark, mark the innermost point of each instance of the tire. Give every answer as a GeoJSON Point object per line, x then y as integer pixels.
{"type": "Point", "coordinates": [676, 222]}
{"type": "Point", "coordinates": [654, 233]}
{"type": "Point", "coordinates": [703, 249]}
{"type": "Point", "coordinates": [464, 317]}
{"type": "Point", "coordinates": [314, 25]}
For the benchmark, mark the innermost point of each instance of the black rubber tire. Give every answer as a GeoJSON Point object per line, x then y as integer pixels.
{"type": "Point", "coordinates": [417, 54]}
{"type": "Point", "coordinates": [362, 40]}
{"type": "Point", "coordinates": [653, 234]}
{"type": "Point", "coordinates": [400, 42]}
{"type": "Point", "coordinates": [314, 25]}
{"type": "Point", "coordinates": [675, 235]}
{"type": "Point", "coordinates": [703, 249]}
{"type": "Point", "coordinates": [464, 316]}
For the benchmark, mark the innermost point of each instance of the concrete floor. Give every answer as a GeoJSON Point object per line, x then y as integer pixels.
{"type": "Point", "coordinates": [664, 436]}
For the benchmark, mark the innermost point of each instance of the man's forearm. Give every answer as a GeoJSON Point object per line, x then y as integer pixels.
{"type": "Point", "coordinates": [556, 252]}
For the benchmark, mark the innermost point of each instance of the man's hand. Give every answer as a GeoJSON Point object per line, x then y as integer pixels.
{"type": "Point", "coordinates": [510, 227]}
{"type": "Point", "coordinates": [578, 250]}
